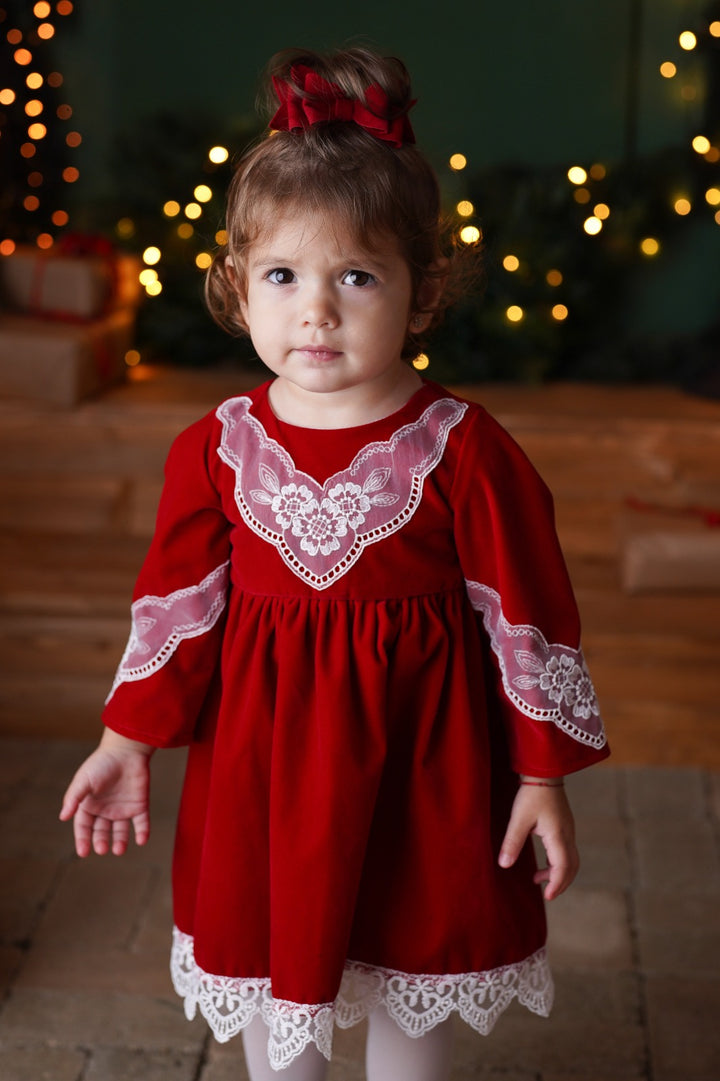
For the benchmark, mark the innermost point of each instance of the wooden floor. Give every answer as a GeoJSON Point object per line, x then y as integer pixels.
{"type": "Point", "coordinates": [78, 491]}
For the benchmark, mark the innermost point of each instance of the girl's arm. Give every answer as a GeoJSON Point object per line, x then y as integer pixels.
{"type": "Point", "coordinates": [109, 791]}
{"type": "Point", "coordinates": [541, 807]}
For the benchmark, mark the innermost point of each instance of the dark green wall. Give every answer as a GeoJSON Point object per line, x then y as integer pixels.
{"type": "Point", "coordinates": [525, 81]}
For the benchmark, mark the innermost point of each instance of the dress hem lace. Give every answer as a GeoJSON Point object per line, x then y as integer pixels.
{"type": "Point", "coordinates": [417, 1003]}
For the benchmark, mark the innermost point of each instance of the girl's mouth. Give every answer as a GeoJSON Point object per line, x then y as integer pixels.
{"type": "Point", "coordinates": [318, 352]}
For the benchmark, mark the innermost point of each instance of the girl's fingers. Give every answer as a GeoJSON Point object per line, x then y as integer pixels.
{"type": "Point", "coordinates": [83, 832]}
{"type": "Point", "coordinates": [120, 836]}
{"type": "Point", "coordinates": [102, 829]}
{"type": "Point", "coordinates": [141, 825]}
{"type": "Point", "coordinates": [76, 793]}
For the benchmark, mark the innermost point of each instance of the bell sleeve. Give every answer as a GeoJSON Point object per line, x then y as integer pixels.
{"type": "Point", "coordinates": [518, 585]}
{"type": "Point", "coordinates": [179, 602]}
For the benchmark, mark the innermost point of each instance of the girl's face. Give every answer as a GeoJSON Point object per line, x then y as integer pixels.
{"type": "Point", "coordinates": [327, 317]}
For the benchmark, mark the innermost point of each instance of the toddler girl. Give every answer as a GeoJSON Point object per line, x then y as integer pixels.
{"type": "Point", "coordinates": [355, 612]}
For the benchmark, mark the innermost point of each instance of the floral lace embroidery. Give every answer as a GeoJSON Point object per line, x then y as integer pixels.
{"type": "Point", "coordinates": [546, 682]}
{"type": "Point", "coordinates": [417, 1003]}
{"type": "Point", "coordinates": [159, 624]}
{"type": "Point", "coordinates": [320, 531]}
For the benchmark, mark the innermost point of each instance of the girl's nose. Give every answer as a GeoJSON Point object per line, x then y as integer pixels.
{"type": "Point", "coordinates": [320, 308]}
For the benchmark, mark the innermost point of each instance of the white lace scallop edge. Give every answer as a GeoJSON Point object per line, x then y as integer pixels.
{"type": "Point", "coordinates": [417, 1003]}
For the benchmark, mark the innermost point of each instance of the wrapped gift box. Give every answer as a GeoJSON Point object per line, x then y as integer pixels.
{"type": "Point", "coordinates": [63, 363]}
{"type": "Point", "coordinates": [672, 548]}
{"type": "Point", "coordinates": [61, 284]}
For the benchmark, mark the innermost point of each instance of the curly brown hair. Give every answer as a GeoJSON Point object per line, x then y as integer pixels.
{"type": "Point", "coordinates": [350, 178]}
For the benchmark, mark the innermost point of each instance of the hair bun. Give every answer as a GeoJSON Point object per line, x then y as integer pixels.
{"type": "Point", "coordinates": [313, 87]}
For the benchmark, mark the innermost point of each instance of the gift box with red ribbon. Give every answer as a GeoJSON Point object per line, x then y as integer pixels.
{"type": "Point", "coordinates": [63, 362]}
{"type": "Point", "coordinates": [80, 278]}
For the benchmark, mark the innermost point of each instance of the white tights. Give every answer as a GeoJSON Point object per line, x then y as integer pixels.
{"type": "Point", "coordinates": [390, 1054]}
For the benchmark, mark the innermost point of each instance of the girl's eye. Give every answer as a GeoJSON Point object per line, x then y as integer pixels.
{"type": "Point", "coordinates": [281, 276]}
{"type": "Point", "coordinates": [358, 277]}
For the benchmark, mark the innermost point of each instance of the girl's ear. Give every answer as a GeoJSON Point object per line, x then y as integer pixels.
{"type": "Point", "coordinates": [234, 279]}
{"type": "Point", "coordinates": [428, 296]}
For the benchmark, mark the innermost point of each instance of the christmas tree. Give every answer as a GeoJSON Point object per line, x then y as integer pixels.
{"type": "Point", "coordinates": [37, 139]}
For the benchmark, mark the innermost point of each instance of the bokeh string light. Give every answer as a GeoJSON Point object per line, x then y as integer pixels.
{"type": "Point", "coordinates": [592, 188]}
{"type": "Point", "coordinates": [37, 148]}
{"type": "Point", "coordinates": [191, 210]}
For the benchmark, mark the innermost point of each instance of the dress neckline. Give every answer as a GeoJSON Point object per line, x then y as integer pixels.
{"type": "Point", "coordinates": [416, 402]}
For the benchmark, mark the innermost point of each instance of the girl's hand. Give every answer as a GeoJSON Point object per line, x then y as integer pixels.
{"type": "Point", "coordinates": [545, 812]}
{"type": "Point", "coordinates": [109, 791]}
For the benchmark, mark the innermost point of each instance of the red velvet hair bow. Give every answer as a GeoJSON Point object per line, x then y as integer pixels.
{"type": "Point", "coordinates": [326, 101]}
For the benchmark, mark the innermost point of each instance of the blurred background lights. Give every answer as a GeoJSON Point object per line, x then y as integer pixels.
{"type": "Point", "coordinates": [171, 208]}
{"type": "Point", "coordinates": [515, 314]}
{"type": "Point", "coordinates": [7, 247]}
{"type": "Point", "coordinates": [7, 96]}
{"type": "Point", "coordinates": [714, 28]}
{"type": "Point", "coordinates": [71, 174]}
{"type": "Point", "coordinates": [687, 40]}
{"type": "Point", "coordinates": [153, 289]}
{"type": "Point", "coordinates": [221, 237]}
{"type": "Point", "coordinates": [45, 241]}
{"type": "Point", "coordinates": [41, 10]}
{"type": "Point", "coordinates": [668, 70]}
{"type": "Point", "coordinates": [45, 31]}
{"type": "Point", "coordinates": [511, 263]}
{"type": "Point", "coordinates": [457, 162]}
{"type": "Point", "coordinates": [469, 234]}
{"type": "Point", "coordinates": [125, 228]}
{"type": "Point", "coordinates": [193, 211]}
{"type": "Point", "coordinates": [598, 171]}
{"type": "Point", "coordinates": [682, 206]}
{"type": "Point", "coordinates": [577, 175]}
{"type": "Point", "coordinates": [132, 358]}
{"type": "Point", "coordinates": [701, 144]}
{"type": "Point", "coordinates": [712, 196]}
{"type": "Point", "coordinates": [147, 275]}
{"type": "Point", "coordinates": [203, 260]}
{"type": "Point", "coordinates": [559, 312]}
{"type": "Point", "coordinates": [218, 155]}
{"type": "Point", "coordinates": [151, 255]}
{"type": "Point", "coordinates": [23, 56]}
{"type": "Point", "coordinates": [581, 195]}
{"type": "Point", "coordinates": [601, 211]}
{"type": "Point", "coordinates": [421, 362]}
{"type": "Point", "coordinates": [34, 80]}
{"type": "Point", "coordinates": [554, 278]}
{"type": "Point", "coordinates": [34, 107]}
{"type": "Point", "coordinates": [203, 193]}
{"type": "Point", "coordinates": [465, 208]}
{"type": "Point", "coordinates": [37, 131]}
{"type": "Point", "coordinates": [592, 225]}
{"type": "Point", "coordinates": [185, 230]}
{"type": "Point", "coordinates": [649, 245]}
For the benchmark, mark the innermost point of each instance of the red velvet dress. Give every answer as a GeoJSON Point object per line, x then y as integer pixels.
{"type": "Point", "coordinates": [363, 635]}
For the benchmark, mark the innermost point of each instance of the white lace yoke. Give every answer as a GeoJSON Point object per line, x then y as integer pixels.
{"type": "Point", "coordinates": [321, 530]}
{"type": "Point", "coordinates": [417, 1003]}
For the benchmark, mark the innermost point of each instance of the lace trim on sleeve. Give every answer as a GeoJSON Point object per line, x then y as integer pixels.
{"type": "Point", "coordinates": [417, 1003]}
{"type": "Point", "coordinates": [159, 624]}
{"type": "Point", "coordinates": [545, 682]}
